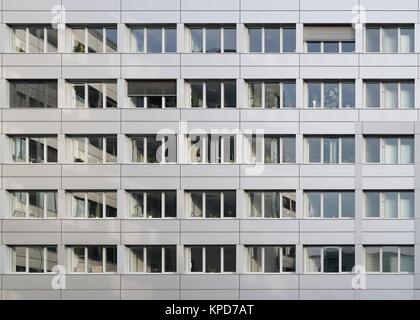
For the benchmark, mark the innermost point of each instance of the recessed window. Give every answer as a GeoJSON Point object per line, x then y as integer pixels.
{"type": "Point", "coordinates": [153, 39]}
{"type": "Point", "coordinates": [271, 259]}
{"type": "Point", "coordinates": [93, 94]}
{"type": "Point", "coordinates": [389, 204]}
{"type": "Point", "coordinates": [389, 149]}
{"type": "Point", "coordinates": [329, 204]}
{"type": "Point", "coordinates": [392, 94]}
{"type": "Point", "coordinates": [34, 204]}
{"type": "Point", "coordinates": [331, 94]}
{"type": "Point", "coordinates": [211, 148]}
{"type": "Point", "coordinates": [272, 39]}
{"type": "Point", "coordinates": [272, 94]}
{"type": "Point", "coordinates": [93, 204]}
{"type": "Point", "coordinates": [34, 149]}
{"type": "Point", "coordinates": [212, 93]}
{"type": "Point", "coordinates": [92, 259]}
{"type": "Point", "coordinates": [329, 39]}
{"type": "Point", "coordinates": [211, 259]}
{"type": "Point", "coordinates": [330, 150]}
{"type": "Point", "coordinates": [95, 39]}
{"type": "Point", "coordinates": [152, 204]}
{"type": "Point", "coordinates": [93, 149]}
{"type": "Point", "coordinates": [271, 149]}
{"type": "Point", "coordinates": [34, 259]}
{"type": "Point", "coordinates": [329, 259]}
{"type": "Point", "coordinates": [211, 204]}
{"type": "Point", "coordinates": [389, 39]}
{"type": "Point", "coordinates": [271, 204]}
{"type": "Point", "coordinates": [34, 39]}
{"type": "Point", "coordinates": [212, 39]}
{"type": "Point", "coordinates": [33, 93]}
{"type": "Point", "coordinates": [389, 259]}
{"type": "Point", "coordinates": [152, 94]}
{"type": "Point", "coordinates": [151, 259]}
{"type": "Point", "coordinates": [154, 148]}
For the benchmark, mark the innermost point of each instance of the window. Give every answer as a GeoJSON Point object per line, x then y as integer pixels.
{"type": "Point", "coordinates": [33, 93]}
{"type": "Point", "coordinates": [153, 39]}
{"type": "Point", "coordinates": [329, 39]}
{"type": "Point", "coordinates": [34, 204]}
{"type": "Point", "coordinates": [387, 259]}
{"type": "Point", "coordinates": [34, 149]}
{"type": "Point", "coordinates": [272, 94]}
{"type": "Point", "coordinates": [271, 204]}
{"type": "Point", "coordinates": [330, 150]}
{"type": "Point", "coordinates": [329, 259]}
{"type": "Point", "coordinates": [272, 39]}
{"type": "Point", "coordinates": [93, 149]}
{"type": "Point", "coordinates": [211, 148]}
{"type": "Point", "coordinates": [390, 39]}
{"type": "Point", "coordinates": [92, 259]}
{"type": "Point", "coordinates": [93, 204]}
{"type": "Point", "coordinates": [34, 39]}
{"type": "Point", "coordinates": [213, 39]}
{"type": "Point", "coordinates": [152, 93]}
{"type": "Point", "coordinates": [95, 39]}
{"type": "Point", "coordinates": [152, 204]}
{"type": "Point", "coordinates": [389, 204]}
{"type": "Point", "coordinates": [211, 259]}
{"type": "Point", "coordinates": [392, 94]}
{"type": "Point", "coordinates": [154, 149]}
{"type": "Point", "coordinates": [329, 204]}
{"type": "Point", "coordinates": [212, 93]}
{"type": "Point", "coordinates": [211, 204]}
{"type": "Point", "coordinates": [271, 149]}
{"type": "Point", "coordinates": [94, 94]}
{"type": "Point", "coordinates": [389, 150]}
{"type": "Point", "coordinates": [34, 259]}
{"type": "Point", "coordinates": [271, 259]}
{"type": "Point", "coordinates": [151, 259]}
{"type": "Point", "coordinates": [331, 94]}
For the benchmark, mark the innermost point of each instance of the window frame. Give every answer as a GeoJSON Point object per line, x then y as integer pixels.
{"type": "Point", "coordinates": [27, 247]}
{"type": "Point", "coordinates": [203, 145]}
{"type": "Point", "coordinates": [382, 149]}
{"type": "Point", "coordinates": [263, 262]}
{"type": "Point", "coordinates": [145, 148]}
{"type": "Point", "coordinates": [188, 264]}
{"type": "Point", "coordinates": [322, 83]}
{"type": "Point", "coordinates": [203, 38]}
{"type": "Point", "coordinates": [263, 28]}
{"type": "Point", "coordinates": [263, 83]}
{"type": "Point", "coordinates": [382, 204]}
{"type": "Point", "coordinates": [47, 83]}
{"type": "Point", "coordinates": [71, 147]}
{"type": "Point", "coordinates": [45, 34]}
{"type": "Point", "coordinates": [321, 43]}
{"type": "Point", "coordinates": [27, 152]}
{"type": "Point", "coordinates": [12, 197]}
{"type": "Point", "coordinates": [189, 204]}
{"type": "Point", "coordinates": [86, 38]}
{"type": "Point", "coordinates": [133, 44]}
{"type": "Point", "coordinates": [145, 196]}
{"type": "Point", "coordinates": [145, 250]}
{"type": "Point", "coordinates": [85, 84]}
{"type": "Point", "coordinates": [262, 208]}
{"type": "Point", "coordinates": [86, 204]}
{"type": "Point", "coordinates": [381, 247]}
{"type": "Point", "coordinates": [70, 250]}
{"type": "Point", "coordinates": [322, 214]}
{"type": "Point", "coordinates": [340, 150]}
{"type": "Point", "coordinates": [322, 249]}
{"type": "Point", "coordinates": [259, 140]}
{"type": "Point", "coordinates": [203, 84]}
{"type": "Point", "coordinates": [381, 31]}
{"type": "Point", "coordinates": [382, 83]}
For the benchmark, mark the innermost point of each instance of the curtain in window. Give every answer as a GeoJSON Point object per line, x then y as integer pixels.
{"type": "Point", "coordinates": [390, 204]}
{"type": "Point", "coordinates": [406, 40]}
{"type": "Point", "coordinates": [390, 95]}
{"type": "Point", "coordinates": [407, 204]}
{"type": "Point", "coordinates": [390, 150]}
{"type": "Point", "coordinates": [373, 259]}
{"type": "Point", "coordinates": [390, 40]}
{"type": "Point", "coordinates": [407, 150]}
{"type": "Point", "coordinates": [407, 95]}
{"type": "Point", "coordinates": [272, 150]}
{"type": "Point", "coordinates": [256, 204]}
{"type": "Point", "coordinates": [327, 33]}
{"type": "Point", "coordinates": [152, 88]}
{"type": "Point", "coordinates": [214, 149]}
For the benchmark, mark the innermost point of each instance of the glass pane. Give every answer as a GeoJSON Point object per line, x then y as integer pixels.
{"type": "Point", "coordinates": [170, 259]}
{"type": "Point", "coordinates": [407, 150]}
{"type": "Point", "coordinates": [170, 148]}
{"type": "Point", "coordinates": [331, 257]}
{"type": "Point", "coordinates": [373, 259]}
{"type": "Point", "coordinates": [95, 40]}
{"type": "Point", "coordinates": [406, 40]}
{"type": "Point", "coordinates": [78, 259]}
{"type": "Point", "coordinates": [95, 95]}
{"type": "Point", "coordinates": [95, 149]}
{"type": "Point", "coordinates": [52, 258]}
{"type": "Point", "coordinates": [79, 144]}
{"type": "Point", "coordinates": [289, 259]}
{"type": "Point", "coordinates": [312, 46]}
{"type": "Point", "coordinates": [314, 204]}
{"type": "Point", "coordinates": [154, 149]}
{"type": "Point", "coordinates": [154, 204]}
{"type": "Point", "coordinates": [331, 150]}
{"type": "Point", "coordinates": [137, 39]}
{"type": "Point", "coordinates": [196, 40]}
{"type": "Point", "coordinates": [79, 44]}
{"type": "Point", "coordinates": [254, 259]}
{"type": "Point", "coordinates": [255, 40]}
{"type": "Point", "coordinates": [170, 204]}
{"type": "Point", "coordinates": [138, 149]}
{"type": "Point", "coordinates": [19, 204]}
{"type": "Point", "coordinates": [111, 204]}
{"type": "Point", "coordinates": [390, 150]}
{"type": "Point", "coordinates": [111, 40]}
{"type": "Point", "coordinates": [51, 203]}
{"type": "Point", "coordinates": [154, 259]}
{"type": "Point", "coordinates": [272, 39]}
{"type": "Point", "coordinates": [272, 205]}
{"type": "Point", "coordinates": [289, 95]}
{"type": "Point", "coordinates": [314, 150]}
{"type": "Point", "coordinates": [256, 204]}
{"type": "Point", "coordinates": [289, 205]}
{"type": "Point", "coordinates": [314, 95]}
{"type": "Point", "coordinates": [229, 94]}
{"type": "Point", "coordinates": [111, 95]}
{"type": "Point", "coordinates": [373, 150]}
{"type": "Point", "coordinates": [19, 38]}
{"type": "Point", "coordinates": [229, 204]}
{"type": "Point", "coordinates": [390, 95]}
{"type": "Point", "coordinates": [390, 40]}
{"type": "Point", "coordinates": [348, 95]}
{"type": "Point", "coordinates": [196, 204]}
{"type": "Point", "coordinates": [272, 259]}
{"type": "Point", "coordinates": [372, 204]}
{"type": "Point", "coordinates": [331, 208]}
{"type": "Point", "coordinates": [407, 259]}
{"type": "Point", "coordinates": [390, 259]}
{"type": "Point", "coordinates": [272, 95]}
{"type": "Point", "coordinates": [391, 204]}
{"type": "Point", "coordinates": [289, 39]}
{"type": "Point", "coordinates": [195, 148]}
{"type": "Point", "coordinates": [196, 94]}
{"type": "Point", "coordinates": [407, 204]}
{"type": "Point", "coordinates": [213, 205]}
{"type": "Point", "coordinates": [347, 150]}
{"type": "Point", "coordinates": [79, 204]}
{"type": "Point", "coordinates": [213, 40]}
{"type": "Point", "coordinates": [348, 46]}
{"type": "Point", "coordinates": [95, 204]}
{"type": "Point", "coordinates": [196, 259]}
{"type": "Point", "coordinates": [347, 258]}
{"type": "Point", "coordinates": [407, 95]}
{"type": "Point", "coordinates": [255, 95]}
{"type": "Point", "coordinates": [18, 94]}
{"type": "Point", "coordinates": [170, 40]}
{"type": "Point", "coordinates": [51, 94]}
{"type": "Point", "coordinates": [136, 259]}
{"type": "Point", "coordinates": [95, 259]}
{"type": "Point", "coordinates": [271, 149]}
{"type": "Point", "coordinates": [229, 41]}
{"type": "Point", "coordinates": [36, 259]}
{"type": "Point", "coordinates": [154, 40]}
{"type": "Point", "coordinates": [36, 39]}
{"type": "Point", "coordinates": [331, 47]}
{"type": "Point", "coordinates": [229, 259]}
{"type": "Point", "coordinates": [372, 95]}
{"type": "Point", "coordinates": [347, 205]}
{"type": "Point", "coordinates": [313, 259]}
{"type": "Point", "coordinates": [137, 209]}
{"type": "Point", "coordinates": [213, 263]}
{"type": "Point", "coordinates": [36, 204]}
{"type": "Point", "coordinates": [372, 39]}
{"type": "Point", "coordinates": [213, 94]}
{"type": "Point", "coordinates": [36, 94]}
{"type": "Point", "coordinates": [19, 149]}
{"type": "Point", "coordinates": [289, 149]}
{"type": "Point", "coordinates": [111, 149]}
{"type": "Point", "coordinates": [19, 259]}
{"type": "Point", "coordinates": [36, 150]}
{"type": "Point", "coordinates": [79, 95]}
{"type": "Point", "coordinates": [331, 95]}
{"type": "Point", "coordinates": [111, 259]}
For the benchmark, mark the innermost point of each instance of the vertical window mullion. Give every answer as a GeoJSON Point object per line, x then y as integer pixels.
{"type": "Point", "coordinates": [86, 259]}
{"type": "Point", "coordinates": [145, 31]}
{"type": "Point", "coordinates": [45, 40]}
{"type": "Point", "coordinates": [162, 252]}
{"type": "Point", "coordinates": [222, 258]}
{"type": "Point", "coordinates": [222, 37]}
{"type": "Point", "coordinates": [280, 39]}
{"type": "Point", "coordinates": [321, 149]}
{"type": "Point", "coordinates": [281, 92]}
{"type": "Point", "coordinates": [27, 259]}
{"type": "Point", "coordinates": [103, 204]}
{"type": "Point", "coordinates": [262, 259]}
{"type": "Point", "coordinates": [203, 209]}
{"type": "Point", "coordinates": [204, 44]}
{"type": "Point", "coordinates": [263, 94]}
{"type": "Point", "coordinates": [380, 259]}
{"type": "Point", "coordinates": [322, 260]}
{"type": "Point", "coordinates": [263, 40]}
{"type": "Point", "coordinates": [399, 260]}
{"type": "Point", "coordinates": [163, 149]}
{"type": "Point", "coordinates": [86, 204]}
{"type": "Point", "coordinates": [322, 204]}
{"type": "Point", "coordinates": [163, 42]}
{"type": "Point", "coordinates": [163, 199]}
{"type": "Point", "coordinates": [322, 91]}
{"type": "Point", "coordinates": [281, 204]}
{"type": "Point", "coordinates": [281, 259]}
{"type": "Point", "coordinates": [27, 205]}
{"type": "Point", "coordinates": [222, 94]}
{"type": "Point", "coordinates": [145, 211]}
{"type": "Point", "coordinates": [144, 149]}
{"type": "Point", "coordinates": [204, 86]}
{"type": "Point", "coordinates": [280, 149]}
{"type": "Point", "coordinates": [263, 204]}
{"type": "Point", "coordinates": [203, 254]}
{"type": "Point", "coordinates": [222, 202]}
{"type": "Point", "coordinates": [103, 150]}
{"type": "Point", "coordinates": [44, 198]}
{"type": "Point", "coordinates": [27, 150]}
{"type": "Point", "coordinates": [339, 260]}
